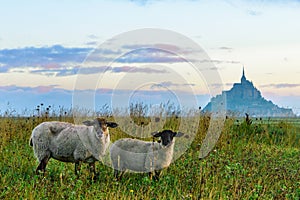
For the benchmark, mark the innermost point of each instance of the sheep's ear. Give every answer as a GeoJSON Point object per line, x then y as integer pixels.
{"type": "Point", "coordinates": [88, 123]}
{"type": "Point", "coordinates": [178, 134]}
{"type": "Point", "coordinates": [156, 134]}
{"type": "Point", "coordinates": [112, 124]}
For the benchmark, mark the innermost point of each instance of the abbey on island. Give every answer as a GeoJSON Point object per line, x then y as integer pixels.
{"type": "Point", "coordinates": [244, 98]}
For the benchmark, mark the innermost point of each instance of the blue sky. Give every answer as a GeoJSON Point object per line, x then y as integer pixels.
{"type": "Point", "coordinates": [44, 43]}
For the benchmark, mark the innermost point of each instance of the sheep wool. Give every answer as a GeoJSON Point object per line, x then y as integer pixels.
{"type": "Point", "coordinates": [140, 156]}
{"type": "Point", "coordinates": [70, 143]}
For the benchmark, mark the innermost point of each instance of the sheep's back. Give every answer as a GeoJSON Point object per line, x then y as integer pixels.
{"type": "Point", "coordinates": [132, 145]}
{"type": "Point", "coordinates": [64, 144]}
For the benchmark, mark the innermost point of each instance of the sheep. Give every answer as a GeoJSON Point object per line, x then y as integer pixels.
{"type": "Point", "coordinates": [141, 156]}
{"type": "Point", "coordinates": [67, 142]}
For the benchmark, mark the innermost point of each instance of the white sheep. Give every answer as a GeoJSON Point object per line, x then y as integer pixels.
{"type": "Point", "coordinates": [71, 143]}
{"type": "Point", "coordinates": [141, 156]}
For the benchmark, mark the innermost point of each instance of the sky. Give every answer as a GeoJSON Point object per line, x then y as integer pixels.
{"type": "Point", "coordinates": [45, 46]}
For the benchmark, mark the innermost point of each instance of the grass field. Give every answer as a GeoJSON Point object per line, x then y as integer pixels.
{"type": "Point", "coordinates": [258, 160]}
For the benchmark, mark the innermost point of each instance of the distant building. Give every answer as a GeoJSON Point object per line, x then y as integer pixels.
{"type": "Point", "coordinates": [244, 98]}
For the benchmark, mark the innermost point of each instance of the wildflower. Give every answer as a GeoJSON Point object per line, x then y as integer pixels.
{"type": "Point", "coordinates": [131, 191]}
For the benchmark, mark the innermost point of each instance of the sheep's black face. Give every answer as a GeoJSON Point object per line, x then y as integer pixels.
{"type": "Point", "coordinates": [167, 136]}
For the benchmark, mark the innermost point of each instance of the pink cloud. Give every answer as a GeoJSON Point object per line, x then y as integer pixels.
{"type": "Point", "coordinates": [51, 66]}
{"type": "Point", "coordinates": [37, 89]}
{"type": "Point", "coordinates": [43, 89]}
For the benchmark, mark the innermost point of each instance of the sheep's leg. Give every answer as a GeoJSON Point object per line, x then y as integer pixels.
{"type": "Point", "coordinates": [92, 168]}
{"type": "Point", "coordinates": [156, 174]}
{"type": "Point", "coordinates": [42, 165]}
{"type": "Point", "coordinates": [118, 174]}
{"type": "Point", "coordinates": [150, 175]}
{"type": "Point", "coordinates": [93, 171]}
{"type": "Point", "coordinates": [121, 174]}
{"type": "Point", "coordinates": [77, 168]}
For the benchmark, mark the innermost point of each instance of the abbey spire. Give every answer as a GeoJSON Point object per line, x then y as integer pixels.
{"type": "Point", "coordinates": [243, 79]}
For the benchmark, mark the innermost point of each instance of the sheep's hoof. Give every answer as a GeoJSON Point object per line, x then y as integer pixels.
{"type": "Point", "coordinates": [95, 177]}
{"type": "Point", "coordinates": [40, 172]}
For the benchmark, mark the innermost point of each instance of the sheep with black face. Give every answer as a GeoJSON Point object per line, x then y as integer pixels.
{"type": "Point", "coordinates": [71, 143]}
{"type": "Point", "coordinates": [142, 156]}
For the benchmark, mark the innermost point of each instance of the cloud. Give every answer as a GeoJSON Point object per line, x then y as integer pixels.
{"type": "Point", "coordinates": [226, 48]}
{"type": "Point", "coordinates": [231, 62]}
{"type": "Point", "coordinates": [62, 70]}
{"type": "Point", "coordinates": [219, 61]}
{"type": "Point", "coordinates": [168, 84]}
{"type": "Point", "coordinates": [100, 52]}
{"type": "Point", "coordinates": [218, 85]}
{"type": "Point", "coordinates": [94, 70]}
{"type": "Point", "coordinates": [93, 37]}
{"type": "Point", "coordinates": [149, 55]}
{"type": "Point", "coordinates": [129, 69]}
{"type": "Point", "coordinates": [165, 47]}
{"type": "Point", "coordinates": [254, 12]}
{"type": "Point", "coordinates": [33, 56]}
{"type": "Point", "coordinates": [92, 43]}
{"type": "Point", "coordinates": [38, 89]}
{"type": "Point", "coordinates": [225, 61]}
{"type": "Point", "coordinates": [61, 61]}
{"type": "Point", "coordinates": [121, 69]}
{"type": "Point", "coordinates": [56, 72]}
{"type": "Point", "coordinates": [157, 53]}
{"type": "Point", "coordinates": [44, 89]}
{"type": "Point", "coordinates": [281, 85]}
{"type": "Point", "coordinates": [86, 70]}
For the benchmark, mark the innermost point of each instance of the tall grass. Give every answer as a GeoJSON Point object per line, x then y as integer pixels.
{"type": "Point", "coordinates": [257, 160]}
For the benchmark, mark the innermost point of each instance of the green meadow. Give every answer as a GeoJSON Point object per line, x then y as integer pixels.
{"type": "Point", "coordinates": [257, 159]}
